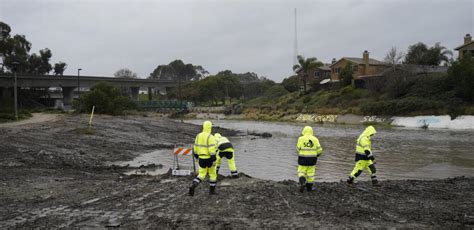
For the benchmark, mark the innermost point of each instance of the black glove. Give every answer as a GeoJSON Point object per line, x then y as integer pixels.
{"type": "Point", "coordinates": [213, 158]}
{"type": "Point", "coordinates": [195, 155]}
{"type": "Point", "coordinates": [369, 155]}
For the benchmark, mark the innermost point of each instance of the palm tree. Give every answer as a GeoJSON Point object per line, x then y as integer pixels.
{"type": "Point", "coordinates": [439, 54]}
{"type": "Point", "coordinates": [304, 66]}
{"type": "Point", "coordinates": [420, 54]}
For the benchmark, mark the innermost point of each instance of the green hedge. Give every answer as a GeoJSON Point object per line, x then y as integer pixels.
{"type": "Point", "coordinates": [402, 107]}
{"type": "Point", "coordinates": [106, 98]}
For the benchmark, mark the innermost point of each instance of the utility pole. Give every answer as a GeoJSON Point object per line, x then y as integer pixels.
{"type": "Point", "coordinates": [78, 84]}
{"type": "Point", "coordinates": [179, 88]}
{"type": "Point", "coordinates": [15, 85]}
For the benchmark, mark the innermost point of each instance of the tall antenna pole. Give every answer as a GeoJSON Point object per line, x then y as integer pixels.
{"type": "Point", "coordinates": [295, 57]}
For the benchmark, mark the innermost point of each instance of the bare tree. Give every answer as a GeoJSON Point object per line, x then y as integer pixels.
{"type": "Point", "coordinates": [393, 57]}
{"type": "Point", "coordinates": [125, 73]}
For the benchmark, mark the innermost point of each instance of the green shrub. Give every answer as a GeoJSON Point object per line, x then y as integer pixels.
{"type": "Point", "coordinates": [347, 90]}
{"type": "Point", "coordinates": [6, 105]}
{"type": "Point", "coordinates": [461, 76]}
{"type": "Point", "coordinates": [469, 110]}
{"type": "Point", "coordinates": [10, 116]}
{"type": "Point", "coordinates": [291, 83]}
{"type": "Point", "coordinates": [7, 116]}
{"type": "Point", "coordinates": [346, 75]}
{"type": "Point", "coordinates": [431, 86]}
{"type": "Point", "coordinates": [307, 99]}
{"type": "Point", "coordinates": [274, 92]}
{"type": "Point", "coordinates": [322, 98]}
{"type": "Point", "coordinates": [106, 98]}
{"type": "Point", "coordinates": [401, 107]}
{"type": "Point", "coordinates": [290, 101]}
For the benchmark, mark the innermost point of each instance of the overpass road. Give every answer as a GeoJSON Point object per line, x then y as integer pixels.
{"type": "Point", "coordinates": [70, 82]}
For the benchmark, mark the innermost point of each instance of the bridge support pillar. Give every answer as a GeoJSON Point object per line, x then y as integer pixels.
{"type": "Point", "coordinates": [162, 90]}
{"type": "Point", "coordinates": [135, 91]}
{"type": "Point", "coordinates": [150, 93]}
{"type": "Point", "coordinates": [68, 94]}
{"type": "Point", "coordinates": [5, 93]}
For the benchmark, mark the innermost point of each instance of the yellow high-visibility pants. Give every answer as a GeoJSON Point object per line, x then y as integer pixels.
{"type": "Point", "coordinates": [207, 169]}
{"type": "Point", "coordinates": [307, 172]}
{"type": "Point", "coordinates": [360, 166]}
{"type": "Point", "coordinates": [230, 162]}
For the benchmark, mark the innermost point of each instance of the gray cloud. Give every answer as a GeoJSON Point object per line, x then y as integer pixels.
{"type": "Point", "coordinates": [102, 36]}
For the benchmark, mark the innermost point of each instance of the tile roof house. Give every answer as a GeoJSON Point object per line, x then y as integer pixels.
{"type": "Point", "coordinates": [361, 66]}
{"type": "Point", "coordinates": [467, 47]}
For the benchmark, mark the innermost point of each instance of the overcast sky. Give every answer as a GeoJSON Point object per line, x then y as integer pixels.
{"type": "Point", "coordinates": [241, 35]}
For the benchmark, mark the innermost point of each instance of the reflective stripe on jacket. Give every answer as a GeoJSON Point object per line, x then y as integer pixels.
{"type": "Point", "coordinates": [205, 143]}
{"type": "Point", "coordinates": [224, 145]}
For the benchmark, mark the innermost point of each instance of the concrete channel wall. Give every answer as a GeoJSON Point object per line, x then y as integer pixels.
{"type": "Point", "coordinates": [443, 122]}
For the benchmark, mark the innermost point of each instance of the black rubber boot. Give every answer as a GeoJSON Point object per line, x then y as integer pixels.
{"type": "Point", "coordinates": [234, 174]}
{"type": "Point", "coordinates": [191, 190]}
{"type": "Point", "coordinates": [193, 186]}
{"type": "Point", "coordinates": [302, 184]}
{"type": "Point", "coordinates": [350, 180]}
{"type": "Point", "coordinates": [309, 187]}
{"type": "Point", "coordinates": [212, 190]}
{"type": "Point", "coordinates": [375, 183]}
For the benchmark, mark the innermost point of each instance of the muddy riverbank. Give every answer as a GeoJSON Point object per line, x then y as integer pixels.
{"type": "Point", "coordinates": [53, 175]}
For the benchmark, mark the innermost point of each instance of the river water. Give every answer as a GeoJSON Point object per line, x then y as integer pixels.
{"type": "Point", "coordinates": [401, 153]}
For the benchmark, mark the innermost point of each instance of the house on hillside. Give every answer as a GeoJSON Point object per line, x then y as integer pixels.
{"type": "Point", "coordinates": [317, 74]}
{"type": "Point", "coordinates": [322, 72]}
{"type": "Point", "coordinates": [361, 66]}
{"type": "Point", "coordinates": [467, 47]}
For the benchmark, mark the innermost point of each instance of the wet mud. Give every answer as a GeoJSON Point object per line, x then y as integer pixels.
{"type": "Point", "coordinates": [54, 175]}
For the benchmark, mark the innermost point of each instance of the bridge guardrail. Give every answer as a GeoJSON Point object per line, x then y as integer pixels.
{"type": "Point", "coordinates": [163, 105]}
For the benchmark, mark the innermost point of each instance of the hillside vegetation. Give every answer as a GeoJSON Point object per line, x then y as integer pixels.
{"type": "Point", "coordinates": [401, 94]}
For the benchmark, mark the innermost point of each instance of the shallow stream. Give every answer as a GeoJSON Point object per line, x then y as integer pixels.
{"type": "Point", "coordinates": [401, 153]}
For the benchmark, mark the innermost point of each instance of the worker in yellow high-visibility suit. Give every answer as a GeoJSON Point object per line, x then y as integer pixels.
{"type": "Point", "coordinates": [225, 149]}
{"type": "Point", "coordinates": [364, 157]}
{"type": "Point", "coordinates": [309, 150]}
{"type": "Point", "coordinates": [205, 150]}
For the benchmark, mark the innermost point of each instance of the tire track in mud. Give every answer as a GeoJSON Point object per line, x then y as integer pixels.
{"type": "Point", "coordinates": [252, 203]}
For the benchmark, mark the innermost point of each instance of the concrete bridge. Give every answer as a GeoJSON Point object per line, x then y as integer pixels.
{"type": "Point", "coordinates": [69, 83]}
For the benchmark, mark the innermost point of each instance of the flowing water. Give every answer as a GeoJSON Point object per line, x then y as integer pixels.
{"type": "Point", "coordinates": [401, 153]}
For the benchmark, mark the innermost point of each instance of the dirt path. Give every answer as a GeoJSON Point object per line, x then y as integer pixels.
{"type": "Point", "coordinates": [36, 118]}
{"type": "Point", "coordinates": [53, 175]}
